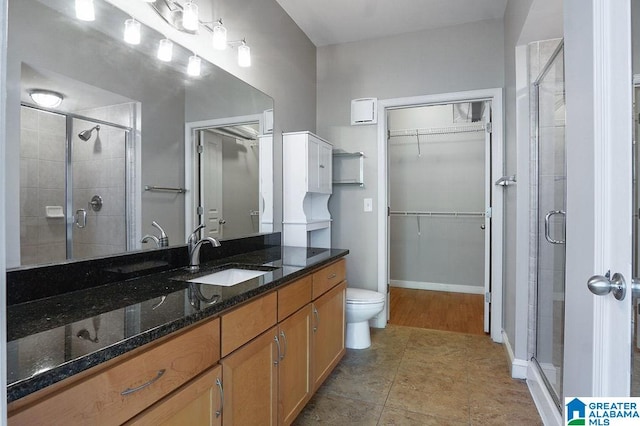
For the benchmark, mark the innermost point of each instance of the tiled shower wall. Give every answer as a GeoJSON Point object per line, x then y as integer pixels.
{"type": "Point", "coordinates": [42, 183]}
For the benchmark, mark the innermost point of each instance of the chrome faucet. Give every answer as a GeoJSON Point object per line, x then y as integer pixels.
{"type": "Point", "coordinates": [194, 247]}
{"type": "Point", "coordinates": [162, 241]}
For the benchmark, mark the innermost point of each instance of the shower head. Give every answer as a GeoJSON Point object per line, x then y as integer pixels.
{"type": "Point", "coordinates": [86, 134]}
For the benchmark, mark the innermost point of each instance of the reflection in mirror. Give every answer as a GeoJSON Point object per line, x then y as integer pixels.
{"type": "Point", "coordinates": [141, 105]}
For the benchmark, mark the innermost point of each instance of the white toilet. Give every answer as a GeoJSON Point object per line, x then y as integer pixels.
{"type": "Point", "coordinates": [362, 305]}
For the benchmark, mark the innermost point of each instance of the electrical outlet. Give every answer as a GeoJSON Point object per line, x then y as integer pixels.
{"type": "Point", "coordinates": [368, 204]}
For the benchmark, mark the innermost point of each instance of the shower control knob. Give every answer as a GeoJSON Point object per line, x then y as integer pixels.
{"type": "Point", "coordinates": [601, 286]}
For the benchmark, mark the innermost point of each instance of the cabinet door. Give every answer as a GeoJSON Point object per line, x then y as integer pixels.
{"type": "Point", "coordinates": [250, 383]}
{"type": "Point", "coordinates": [199, 402]}
{"type": "Point", "coordinates": [294, 381]}
{"type": "Point", "coordinates": [328, 332]}
{"type": "Point", "coordinates": [313, 164]}
{"type": "Point", "coordinates": [325, 167]}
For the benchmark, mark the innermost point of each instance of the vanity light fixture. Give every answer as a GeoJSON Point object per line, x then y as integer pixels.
{"type": "Point", "coordinates": [165, 50]}
{"type": "Point", "coordinates": [190, 19]}
{"type": "Point", "coordinates": [244, 55]}
{"type": "Point", "coordinates": [132, 31]}
{"type": "Point", "coordinates": [193, 69]}
{"type": "Point", "coordinates": [85, 10]}
{"type": "Point", "coordinates": [46, 98]}
{"type": "Point", "coordinates": [219, 36]}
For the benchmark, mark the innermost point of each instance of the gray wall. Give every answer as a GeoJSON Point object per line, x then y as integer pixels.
{"type": "Point", "coordinates": [452, 59]}
{"type": "Point", "coordinates": [514, 21]}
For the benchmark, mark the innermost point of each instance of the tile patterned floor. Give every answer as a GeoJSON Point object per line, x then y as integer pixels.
{"type": "Point", "coordinates": [413, 376]}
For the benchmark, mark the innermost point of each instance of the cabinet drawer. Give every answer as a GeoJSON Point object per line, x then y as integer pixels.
{"type": "Point", "coordinates": [327, 277]}
{"type": "Point", "coordinates": [248, 321]}
{"type": "Point", "coordinates": [144, 379]}
{"type": "Point", "coordinates": [293, 297]}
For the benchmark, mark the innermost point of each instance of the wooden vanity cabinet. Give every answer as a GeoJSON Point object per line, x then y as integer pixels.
{"type": "Point", "coordinates": [328, 333]}
{"type": "Point", "coordinates": [115, 394]}
{"type": "Point", "coordinates": [250, 380]}
{"type": "Point", "coordinates": [199, 402]}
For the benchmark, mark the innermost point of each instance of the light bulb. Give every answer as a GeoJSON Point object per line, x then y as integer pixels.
{"type": "Point", "coordinates": [132, 31]}
{"type": "Point", "coordinates": [190, 16]}
{"type": "Point", "coordinates": [244, 55]}
{"type": "Point", "coordinates": [193, 69]}
{"type": "Point", "coordinates": [219, 36]}
{"type": "Point", "coordinates": [165, 50]}
{"type": "Point", "coordinates": [85, 10]}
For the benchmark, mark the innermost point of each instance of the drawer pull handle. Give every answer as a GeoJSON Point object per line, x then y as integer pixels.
{"type": "Point", "coordinates": [219, 383]}
{"type": "Point", "coordinates": [317, 315]}
{"type": "Point", "coordinates": [129, 391]}
{"type": "Point", "coordinates": [332, 276]}
{"type": "Point", "coordinates": [284, 338]}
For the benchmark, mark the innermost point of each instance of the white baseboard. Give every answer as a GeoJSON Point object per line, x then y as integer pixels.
{"type": "Point", "coordinates": [518, 366]}
{"type": "Point", "coordinates": [541, 397]}
{"type": "Point", "coordinates": [453, 288]}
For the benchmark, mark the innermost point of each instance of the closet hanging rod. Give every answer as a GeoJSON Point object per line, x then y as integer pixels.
{"type": "Point", "coordinates": [436, 214]}
{"type": "Point", "coordinates": [437, 130]}
{"type": "Point", "coordinates": [164, 189]}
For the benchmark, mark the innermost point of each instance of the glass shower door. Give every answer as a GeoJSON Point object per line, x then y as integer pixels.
{"type": "Point", "coordinates": [551, 182]}
{"type": "Point", "coordinates": [97, 223]}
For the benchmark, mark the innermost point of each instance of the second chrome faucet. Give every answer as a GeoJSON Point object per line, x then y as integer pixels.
{"type": "Point", "coordinates": [194, 245]}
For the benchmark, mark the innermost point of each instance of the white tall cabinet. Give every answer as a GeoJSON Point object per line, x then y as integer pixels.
{"type": "Point", "coordinates": [307, 177]}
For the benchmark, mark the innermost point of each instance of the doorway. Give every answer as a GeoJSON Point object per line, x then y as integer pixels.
{"type": "Point", "coordinates": [489, 268]}
{"type": "Point", "coordinates": [439, 191]}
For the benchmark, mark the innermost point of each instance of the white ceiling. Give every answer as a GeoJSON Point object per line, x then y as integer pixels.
{"type": "Point", "coordinates": [328, 22]}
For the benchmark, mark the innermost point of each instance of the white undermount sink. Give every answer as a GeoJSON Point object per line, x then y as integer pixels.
{"type": "Point", "coordinates": [228, 277]}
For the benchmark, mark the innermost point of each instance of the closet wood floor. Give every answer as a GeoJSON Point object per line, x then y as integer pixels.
{"type": "Point", "coordinates": [437, 310]}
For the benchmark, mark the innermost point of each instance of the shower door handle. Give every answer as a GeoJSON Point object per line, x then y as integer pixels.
{"type": "Point", "coordinates": [547, 231]}
{"type": "Point", "coordinates": [601, 286]}
{"type": "Point", "coordinates": [81, 218]}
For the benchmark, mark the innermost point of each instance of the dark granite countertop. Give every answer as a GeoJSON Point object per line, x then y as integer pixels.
{"type": "Point", "coordinates": [55, 337]}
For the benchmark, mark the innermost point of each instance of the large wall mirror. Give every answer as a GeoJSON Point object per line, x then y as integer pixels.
{"type": "Point", "coordinates": [136, 140]}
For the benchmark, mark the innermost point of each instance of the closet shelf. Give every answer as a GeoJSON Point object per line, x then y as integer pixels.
{"type": "Point", "coordinates": [348, 168]}
{"type": "Point", "coordinates": [468, 128]}
{"type": "Point", "coordinates": [435, 214]}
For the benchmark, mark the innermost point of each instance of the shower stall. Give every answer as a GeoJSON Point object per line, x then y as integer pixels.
{"type": "Point", "coordinates": [548, 216]}
{"type": "Point", "coordinates": [74, 183]}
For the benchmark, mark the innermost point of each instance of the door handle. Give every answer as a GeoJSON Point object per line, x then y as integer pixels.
{"type": "Point", "coordinates": [81, 218]}
{"type": "Point", "coordinates": [547, 231]}
{"type": "Point", "coordinates": [601, 286]}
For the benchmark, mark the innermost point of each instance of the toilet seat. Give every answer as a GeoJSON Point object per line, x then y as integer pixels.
{"type": "Point", "coordinates": [360, 296]}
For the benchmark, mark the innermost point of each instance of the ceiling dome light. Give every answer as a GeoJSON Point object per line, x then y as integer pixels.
{"type": "Point", "coordinates": [244, 55]}
{"type": "Point", "coordinates": [165, 50]}
{"type": "Point", "coordinates": [190, 16]}
{"type": "Point", "coordinates": [219, 36]}
{"type": "Point", "coordinates": [193, 69]}
{"type": "Point", "coordinates": [85, 10]}
{"type": "Point", "coordinates": [46, 98]}
{"type": "Point", "coordinates": [132, 31]}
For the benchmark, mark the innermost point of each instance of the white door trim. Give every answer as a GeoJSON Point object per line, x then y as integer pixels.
{"type": "Point", "coordinates": [190, 177]}
{"type": "Point", "coordinates": [497, 167]}
{"type": "Point", "coordinates": [599, 134]}
{"type": "Point", "coordinates": [3, 255]}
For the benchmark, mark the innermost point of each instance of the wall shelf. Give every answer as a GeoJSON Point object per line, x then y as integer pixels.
{"type": "Point", "coordinates": [348, 168]}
